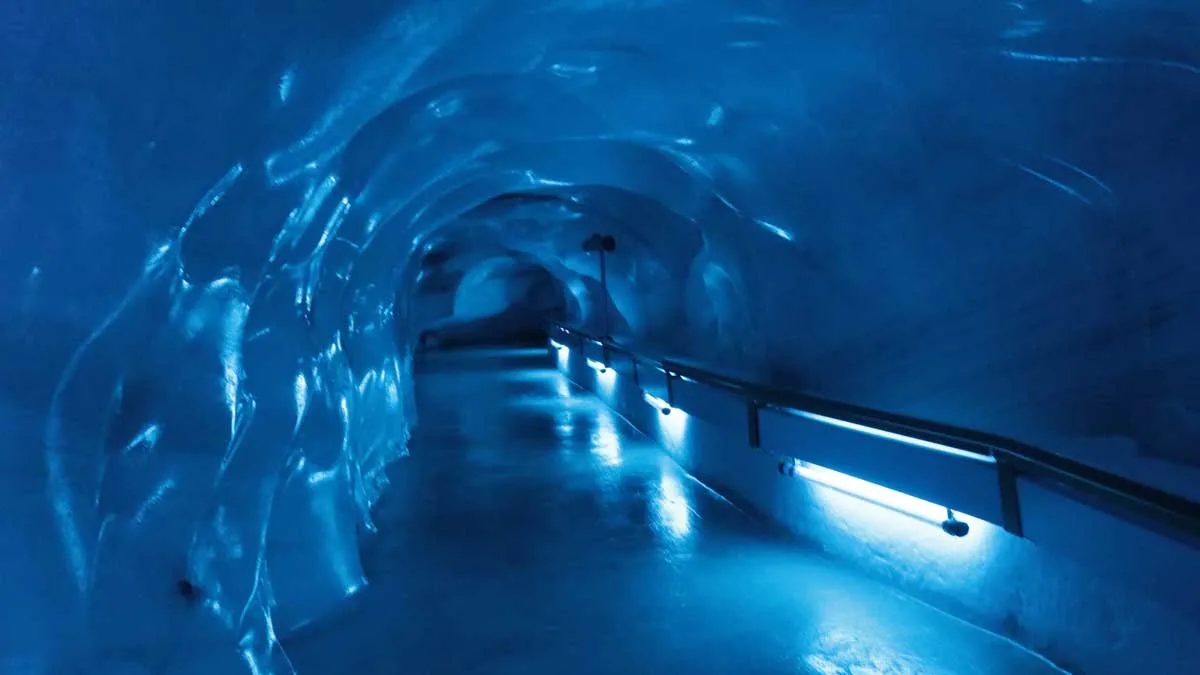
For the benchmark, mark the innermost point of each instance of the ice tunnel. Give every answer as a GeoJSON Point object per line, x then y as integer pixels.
{"type": "Point", "coordinates": [233, 232]}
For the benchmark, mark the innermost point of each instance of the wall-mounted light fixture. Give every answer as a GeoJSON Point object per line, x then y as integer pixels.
{"type": "Point", "coordinates": [953, 526]}
{"type": "Point", "coordinates": [562, 353]}
{"type": "Point", "coordinates": [663, 407]}
{"type": "Point", "coordinates": [673, 423]}
{"type": "Point", "coordinates": [606, 378]}
{"type": "Point", "coordinates": [892, 500]}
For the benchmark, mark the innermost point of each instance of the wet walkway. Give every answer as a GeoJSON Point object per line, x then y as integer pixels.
{"type": "Point", "coordinates": [533, 531]}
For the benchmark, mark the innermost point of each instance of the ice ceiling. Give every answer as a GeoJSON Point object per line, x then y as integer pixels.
{"type": "Point", "coordinates": [215, 215]}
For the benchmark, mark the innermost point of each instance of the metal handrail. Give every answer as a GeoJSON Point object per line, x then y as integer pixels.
{"type": "Point", "coordinates": [1147, 505]}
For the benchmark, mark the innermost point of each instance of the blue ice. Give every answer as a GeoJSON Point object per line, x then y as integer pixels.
{"type": "Point", "coordinates": [229, 226]}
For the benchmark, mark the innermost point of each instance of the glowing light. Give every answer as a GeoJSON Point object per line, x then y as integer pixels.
{"type": "Point", "coordinates": [886, 497]}
{"type": "Point", "coordinates": [606, 442]}
{"type": "Point", "coordinates": [889, 519]}
{"type": "Point", "coordinates": [605, 377]}
{"type": "Point", "coordinates": [672, 511]}
{"type": "Point", "coordinates": [557, 345]}
{"type": "Point", "coordinates": [907, 440]}
{"type": "Point", "coordinates": [657, 402]}
{"type": "Point", "coordinates": [561, 387]}
{"type": "Point", "coordinates": [672, 424]}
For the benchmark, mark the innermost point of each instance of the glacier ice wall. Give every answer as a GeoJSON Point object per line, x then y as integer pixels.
{"type": "Point", "coordinates": [214, 215]}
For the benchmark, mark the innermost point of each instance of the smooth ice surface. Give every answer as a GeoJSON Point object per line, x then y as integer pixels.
{"type": "Point", "coordinates": [220, 222]}
{"type": "Point", "coordinates": [533, 530]}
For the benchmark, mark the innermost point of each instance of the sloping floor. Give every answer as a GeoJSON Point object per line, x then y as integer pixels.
{"type": "Point", "coordinates": [533, 531]}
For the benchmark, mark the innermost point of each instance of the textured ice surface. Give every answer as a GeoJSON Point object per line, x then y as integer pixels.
{"type": "Point", "coordinates": [979, 214]}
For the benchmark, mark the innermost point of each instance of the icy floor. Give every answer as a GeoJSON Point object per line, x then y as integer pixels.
{"type": "Point", "coordinates": [532, 531]}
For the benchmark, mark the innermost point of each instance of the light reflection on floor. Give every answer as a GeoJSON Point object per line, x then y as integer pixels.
{"type": "Point", "coordinates": [606, 440]}
{"type": "Point", "coordinates": [532, 531]}
{"type": "Point", "coordinates": [672, 511]}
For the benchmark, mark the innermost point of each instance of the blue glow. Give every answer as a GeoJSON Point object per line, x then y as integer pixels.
{"type": "Point", "coordinates": [876, 511]}
{"type": "Point", "coordinates": [227, 223]}
{"type": "Point", "coordinates": [891, 436]}
{"type": "Point", "coordinates": [672, 426]}
{"type": "Point", "coordinates": [656, 401]}
{"type": "Point", "coordinates": [673, 512]}
{"type": "Point", "coordinates": [606, 440]}
{"type": "Point", "coordinates": [606, 378]}
{"type": "Point", "coordinates": [562, 387]}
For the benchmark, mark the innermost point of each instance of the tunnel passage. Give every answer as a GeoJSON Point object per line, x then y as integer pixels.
{"type": "Point", "coordinates": [532, 530]}
{"type": "Point", "coordinates": [504, 300]}
{"type": "Point", "coordinates": [518, 260]}
{"type": "Point", "coordinates": [978, 216]}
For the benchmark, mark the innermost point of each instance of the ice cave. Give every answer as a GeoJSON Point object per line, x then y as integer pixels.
{"type": "Point", "coordinates": [821, 337]}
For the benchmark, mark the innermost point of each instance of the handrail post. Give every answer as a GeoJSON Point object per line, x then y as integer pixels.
{"type": "Point", "coordinates": [752, 424]}
{"type": "Point", "coordinates": [670, 378]}
{"type": "Point", "coordinates": [1010, 499]}
{"type": "Point", "coordinates": [604, 290]}
{"type": "Point", "coordinates": [602, 244]}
